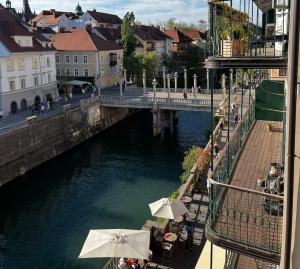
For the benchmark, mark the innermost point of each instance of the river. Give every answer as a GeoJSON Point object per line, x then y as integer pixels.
{"type": "Point", "coordinates": [106, 182]}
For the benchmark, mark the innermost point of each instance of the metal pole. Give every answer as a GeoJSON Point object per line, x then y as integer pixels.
{"type": "Point", "coordinates": [144, 82]}
{"type": "Point", "coordinates": [99, 75]}
{"type": "Point", "coordinates": [212, 119]}
{"type": "Point", "coordinates": [154, 83]}
{"type": "Point", "coordinates": [169, 85]}
{"type": "Point", "coordinates": [125, 79]}
{"type": "Point", "coordinates": [185, 79]}
{"type": "Point", "coordinates": [228, 129]}
{"type": "Point", "coordinates": [242, 103]}
{"type": "Point", "coordinates": [291, 132]}
{"type": "Point", "coordinates": [195, 85]}
{"type": "Point", "coordinates": [175, 79]}
{"type": "Point", "coordinates": [121, 88]}
{"type": "Point", "coordinates": [164, 78]}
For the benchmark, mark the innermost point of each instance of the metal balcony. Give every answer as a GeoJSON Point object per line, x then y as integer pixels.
{"type": "Point", "coordinates": [243, 217]}
{"type": "Point", "coordinates": [245, 32]}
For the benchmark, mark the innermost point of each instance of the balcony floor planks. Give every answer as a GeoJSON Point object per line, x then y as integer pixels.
{"type": "Point", "coordinates": [262, 148]}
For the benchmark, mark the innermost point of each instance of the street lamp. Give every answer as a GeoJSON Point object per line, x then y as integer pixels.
{"type": "Point", "coordinates": [154, 83]}
{"type": "Point", "coordinates": [175, 78]}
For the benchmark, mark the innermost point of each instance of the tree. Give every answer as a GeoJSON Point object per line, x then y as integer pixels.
{"type": "Point", "coordinates": [182, 26]}
{"type": "Point", "coordinates": [127, 33]}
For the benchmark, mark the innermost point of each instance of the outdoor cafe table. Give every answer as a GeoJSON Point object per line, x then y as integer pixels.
{"type": "Point", "coordinates": [170, 237]}
{"type": "Point", "coordinates": [186, 199]}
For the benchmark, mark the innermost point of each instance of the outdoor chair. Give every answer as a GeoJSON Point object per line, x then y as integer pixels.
{"type": "Point", "coordinates": [167, 251]}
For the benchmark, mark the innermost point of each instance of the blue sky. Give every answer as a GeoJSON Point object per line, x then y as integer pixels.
{"type": "Point", "coordinates": [145, 10]}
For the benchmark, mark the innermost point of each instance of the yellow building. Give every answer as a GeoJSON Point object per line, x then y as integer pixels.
{"type": "Point", "coordinates": [85, 56]}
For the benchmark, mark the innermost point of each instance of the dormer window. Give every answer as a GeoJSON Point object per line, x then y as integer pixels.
{"type": "Point", "coordinates": [23, 41]}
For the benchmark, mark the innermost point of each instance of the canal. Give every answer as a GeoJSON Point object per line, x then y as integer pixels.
{"type": "Point", "coordinates": [106, 182]}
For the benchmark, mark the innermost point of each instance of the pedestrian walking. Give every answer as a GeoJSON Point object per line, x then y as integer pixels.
{"type": "Point", "coordinates": [217, 148]}
{"type": "Point", "coordinates": [1, 115]}
{"type": "Point", "coordinates": [92, 95]}
{"type": "Point", "coordinates": [48, 105]}
{"type": "Point", "coordinates": [190, 235]}
{"type": "Point", "coordinates": [233, 108]}
{"type": "Point", "coordinates": [42, 112]}
{"type": "Point", "coordinates": [236, 119]}
{"type": "Point", "coordinates": [199, 89]}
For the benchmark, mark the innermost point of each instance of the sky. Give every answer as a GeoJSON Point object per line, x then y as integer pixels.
{"type": "Point", "coordinates": [146, 11]}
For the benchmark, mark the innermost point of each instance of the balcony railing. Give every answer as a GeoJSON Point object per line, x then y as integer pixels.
{"type": "Point", "coordinates": [243, 30]}
{"type": "Point", "coordinates": [243, 220]}
{"type": "Point", "coordinates": [246, 221]}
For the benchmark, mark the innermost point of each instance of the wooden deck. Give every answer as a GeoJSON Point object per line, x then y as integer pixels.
{"type": "Point", "coordinates": [243, 219]}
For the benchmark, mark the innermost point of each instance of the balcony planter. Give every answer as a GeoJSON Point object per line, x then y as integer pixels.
{"type": "Point", "coordinates": [238, 48]}
{"type": "Point", "coordinates": [226, 48]}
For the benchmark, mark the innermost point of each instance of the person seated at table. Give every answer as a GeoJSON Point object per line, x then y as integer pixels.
{"type": "Point", "coordinates": [122, 264]}
{"type": "Point", "coordinates": [190, 234]}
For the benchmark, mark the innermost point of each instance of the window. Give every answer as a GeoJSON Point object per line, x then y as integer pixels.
{"type": "Point", "coordinates": [85, 59]}
{"type": "Point", "coordinates": [67, 59]}
{"type": "Point", "coordinates": [57, 58]}
{"type": "Point", "coordinates": [68, 73]}
{"type": "Point", "coordinates": [35, 64]}
{"type": "Point", "coordinates": [48, 62]}
{"type": "Point", "coordinates": [36, 81]}
{"type": "Point", "coordinates": [43, 62]}
{"type": "Point", "coordinates": [75, 58]}
{"type": "Point", "coordinates": [21, 64]}
{"type": "Point", "coordinates": [86, 72]}
{"type": "Point", "coordinates": [23, 83]}
{"type": "Point", "coordinates": [49, 78]}
{"type": "Point", "coordinates": [282, 72]}
{"type": "Point", "coordinates": [58, 71]}
{"type": "Point", "coordinates": [12, 84]}
{"type": "Point", "coordinates": [10, 65]}
{"type": "Point", "coordinates": [76, 72]}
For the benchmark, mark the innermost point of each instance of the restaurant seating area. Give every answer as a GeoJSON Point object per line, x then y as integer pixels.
{"type": "Point", "coordinates": [169, 245]}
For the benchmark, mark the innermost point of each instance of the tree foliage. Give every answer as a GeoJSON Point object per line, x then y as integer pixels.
{"type": "Point", "coordinates": [182, 26]}
{"type": "Point", "coordinates": [195, 155]}
{"type": "Point", "coordinates": [136, 63]}
{"type": "Point", "coordinates": [127, 33]}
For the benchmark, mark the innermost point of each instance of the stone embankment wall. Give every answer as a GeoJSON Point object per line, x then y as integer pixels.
{"type": "Point", "coordinates": [42, 140]}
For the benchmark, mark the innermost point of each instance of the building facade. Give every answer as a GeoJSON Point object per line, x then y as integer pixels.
{"type": "Point", "coordinates": [151, 39]}
{"type": "Point", "coordinates": [96, 60]}
{"type": "Point", "coordinates": [100, 19]}
{"type": "Point", "coordinates": [27, 66]}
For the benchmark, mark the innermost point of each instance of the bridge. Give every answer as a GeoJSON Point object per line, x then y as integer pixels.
{"type": "Point", "coordinates": [160, 99]}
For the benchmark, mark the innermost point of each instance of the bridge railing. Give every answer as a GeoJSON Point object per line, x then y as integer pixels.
{"type": "Point", "coordinates": [182, 90]}
{"type": "Point", "coordinates": [133, 101]}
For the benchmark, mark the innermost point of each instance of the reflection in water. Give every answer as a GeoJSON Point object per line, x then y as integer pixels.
{"type": "Point", "coordinates": [106, 182]}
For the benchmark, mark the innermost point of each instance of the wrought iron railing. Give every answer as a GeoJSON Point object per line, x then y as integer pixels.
{"type": "Point", "coordinates": [231, 260]}
{"type": "Point", "coordinates": [243, 30]}
{"type": "Point", "coordinates": [228, 157]}
{"type": "Point", "coordinates": [112, 263]}
{"type": "Point", "coordinates": [248, 220]}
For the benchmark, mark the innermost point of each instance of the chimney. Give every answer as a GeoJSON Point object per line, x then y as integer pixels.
{"type": "Point", "coordinates": [175, 29]}
{"type": "Point", "coordinates": [34, 24]}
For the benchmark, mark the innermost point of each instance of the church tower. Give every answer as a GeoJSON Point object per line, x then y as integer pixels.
{"type": "Point", "coordinates": [26, 11]}
{"type": "Point", "coordinates": [78, 10]}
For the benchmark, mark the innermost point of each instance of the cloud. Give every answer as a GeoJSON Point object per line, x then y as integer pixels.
{"type": "Point", "coordinates": [144, 10]}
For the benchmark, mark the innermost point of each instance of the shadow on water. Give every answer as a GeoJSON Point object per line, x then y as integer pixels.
{"type": "Point", "coordinates": [106, 182]}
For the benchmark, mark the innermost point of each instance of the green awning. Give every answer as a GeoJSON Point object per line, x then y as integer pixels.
{"type": "Point", "coordinates": [269, 103]}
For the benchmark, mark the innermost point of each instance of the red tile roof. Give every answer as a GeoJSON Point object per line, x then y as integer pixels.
{"type": "Point", "coordinates": [149, 33]}
{"type": "Point", "coordinates": [52, 17]}
{"type": "Point", "coordinates": [195, 35]}
{"type": "Point", "coordinates": [10, 26]}
{"type": "Point", "coordinates": [82, 40]}
{"type": "Point", "coordinates": [105, 17]}
{"type": "Point", "coordinates": [177, 36]}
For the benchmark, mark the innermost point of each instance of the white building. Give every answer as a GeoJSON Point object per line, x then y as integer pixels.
{"type": "Point", "coordinates": [57, 20]}
{"type": "Point", "coordinates": [151, 39]}
{"type": "Point", "coordinates": [27, 66]}
{"type": "Point", "coordinates": [100, 19]}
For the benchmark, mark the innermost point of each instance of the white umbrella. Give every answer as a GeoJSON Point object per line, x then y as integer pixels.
{"type": "Point", "coordinates": [167, 208]}
{"type": "Point", "coordinates": [116, 243]}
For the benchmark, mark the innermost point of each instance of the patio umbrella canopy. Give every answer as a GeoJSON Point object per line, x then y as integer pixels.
{"type": "Point", "coordinates": [167, 208]}
{"type": "Point", "coordinates": [116, 243]}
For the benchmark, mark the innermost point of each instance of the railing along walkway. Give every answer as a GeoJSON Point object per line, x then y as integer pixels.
{"type": "Point", "coordinates": [158, 103]}
{"type": "Point", "coordinates": [238, 211]}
